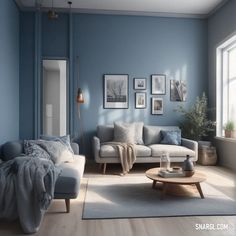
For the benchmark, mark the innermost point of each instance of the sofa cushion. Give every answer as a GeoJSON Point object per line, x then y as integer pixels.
{"type": "Point", "coordinates": [124, 132]}
{"type": "Point", "coordinates": [138, 139]}
{"type": "Point", "coordinates": [11, 149]}
{"type": "Point", "coordinates": [152, 134]}
{"type": "Point", "coordinates": [69, 180]}
{"type": "Point", "coordinates": [109, 151]}
{"type": "Point", "coordinates": [171, 137]}
{"type": "Point", "coordinates": [142, 151]}
{"type": "Point", "coordinates": [105, 133]}
{"type": "Point", "coordinates": [173, 150]}
{"type": "Point", "coordinates": [75, 147]}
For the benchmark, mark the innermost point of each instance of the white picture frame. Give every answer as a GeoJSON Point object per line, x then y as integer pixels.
{"type": "Point", "coordinates": [140, 100]}
{"type": "Point", "coordinates": [158, 84]}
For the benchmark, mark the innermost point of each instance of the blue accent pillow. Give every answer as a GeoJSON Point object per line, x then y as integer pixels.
{"type": "Point", "coordinates": [63, 139]}
{"type": "Point", "coordinates": [32, 148]}
{"type": "Point", "coordinates": [172, 137]}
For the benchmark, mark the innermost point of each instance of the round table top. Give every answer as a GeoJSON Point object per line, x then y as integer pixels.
{"type": "Point", "coordinates": [196, 178]}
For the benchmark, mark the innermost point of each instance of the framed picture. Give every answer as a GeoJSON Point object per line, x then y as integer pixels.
{"type": "Point", "coordinates": [158, 84]}
{"type": "Point", "coordinates": [140, 100]}
{"type": "Point", "coordinates": [115, 94]}
{"type": "Point", "coordinates": [157, 106]}
{"type": "Point", "coordinates": [178, 90]}
{"type": "Point", "coordinates": [140, 83]}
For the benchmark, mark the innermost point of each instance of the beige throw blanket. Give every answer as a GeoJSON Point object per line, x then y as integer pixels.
{"type": "Point", "coordinates": [127, 155]}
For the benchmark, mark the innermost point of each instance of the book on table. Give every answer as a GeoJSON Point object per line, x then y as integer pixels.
{"type": "Point", "coordinates": [170, 173]}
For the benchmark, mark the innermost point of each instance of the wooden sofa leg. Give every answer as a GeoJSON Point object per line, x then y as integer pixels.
{"type": "Point", "coordinates": [100, 166]}
{"type": "Point", "coordinates": [67, 201]}
{"type": "Point", "coordinates": [104, 168]}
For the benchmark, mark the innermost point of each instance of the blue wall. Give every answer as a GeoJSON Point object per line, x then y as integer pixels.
{"type": "Point", "coordinates": [27, 46]}
{"type": "Point", "coordinates": [9, 71]}
{"type": "Point", "coordinates": [221, 25]}
{"type": "Point", "coordinates": [55, 41]}
{"type": "Point", "coordinates": [138, 46]}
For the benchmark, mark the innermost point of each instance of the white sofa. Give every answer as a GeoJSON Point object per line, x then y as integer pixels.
{"type": "Point", "coordinates": [149, 152]}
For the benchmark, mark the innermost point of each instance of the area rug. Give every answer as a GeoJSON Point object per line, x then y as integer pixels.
{"type": "Point", "coordinates": [133, 197]}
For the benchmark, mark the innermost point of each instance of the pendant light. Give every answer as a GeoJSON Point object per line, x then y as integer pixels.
{"type": "Point", "coordinates": [52, 14]}
{"type": "Point", "coordinates": [80, 96]}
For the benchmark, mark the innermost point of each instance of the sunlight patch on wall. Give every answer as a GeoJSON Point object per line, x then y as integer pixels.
{"type": "Point", "coordinates": [86, 94]}
{"type": "Point", "coordinates": [184, 72]}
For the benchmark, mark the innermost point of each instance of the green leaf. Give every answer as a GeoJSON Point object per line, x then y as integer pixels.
{"type": "Point", "coordinates": [195, 124]}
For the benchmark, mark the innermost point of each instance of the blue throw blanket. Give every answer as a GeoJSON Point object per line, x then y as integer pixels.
{"type": "Point", "coordinates": [26, 190]}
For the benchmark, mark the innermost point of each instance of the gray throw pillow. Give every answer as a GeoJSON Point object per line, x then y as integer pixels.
{"type": "Point", "coordinates": [64, 139]}
{"type": "Point", "coordinates": [57, 150]}
{"type": "Point", "coordinates": [124, 132]}
{"type": "Point", "coordinates": [31, 148]}
{"type": "Point", "coordinates": [105, 133]}
{"type": "Point", "coordinates": [138, 133]}
{"type": "Point", "coordinates": [151, 134]}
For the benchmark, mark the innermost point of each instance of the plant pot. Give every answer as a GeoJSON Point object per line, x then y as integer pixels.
{"type": "Point", "coordinates": [230, 134]}
{"type": "Point", "coordinates": [204, 144]}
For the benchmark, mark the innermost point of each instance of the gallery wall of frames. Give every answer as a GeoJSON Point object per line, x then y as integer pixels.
{"type": "Point", "coordinates": [116, 92]}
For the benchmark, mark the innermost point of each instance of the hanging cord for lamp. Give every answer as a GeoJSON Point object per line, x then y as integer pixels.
{"type": "Point", "coordinates": [70, 4]}
{"type": "Point", "coordinates": [38, 4]}
{"type": "Point", "coordinates": [80, 100]}
{"type": "Point", "coordinates": [52, 15]}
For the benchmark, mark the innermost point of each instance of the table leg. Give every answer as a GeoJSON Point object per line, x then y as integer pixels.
{"type": "Point", "coordinates": [199, 189]}
{"type": "Point", "coordinates": [154, 183]}
{"type": "Point", "coordinates": [164, 188]}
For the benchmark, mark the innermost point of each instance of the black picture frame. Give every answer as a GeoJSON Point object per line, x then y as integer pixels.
{"type": "Point", "coordinates": [157, 107]}
{"type": "Point", "coordinates": [140, 86]}
{"type": "Point", "coordinates": [178, 90]}
{"type": "Point", "coordinates": [158, 84]}
{"type": "Point", "coordinates": [115, 91]}
{"type": "Point", "coordinates": [140, 104]}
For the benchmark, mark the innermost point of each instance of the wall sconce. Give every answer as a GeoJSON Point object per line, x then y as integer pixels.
{"type": "Point", "coordinates": [80, 100]}
{"type": "Point", "coordinates": [80, 97]}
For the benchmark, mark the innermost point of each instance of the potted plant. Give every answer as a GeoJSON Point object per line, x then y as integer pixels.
{"type": "Point", "coordinates": [195, 124]}
{"type": "Point", "coordinates": [230, 130]}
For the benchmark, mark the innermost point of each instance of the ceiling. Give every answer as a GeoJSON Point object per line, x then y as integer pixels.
{"type": "Point", "coordinates": [191, 8]}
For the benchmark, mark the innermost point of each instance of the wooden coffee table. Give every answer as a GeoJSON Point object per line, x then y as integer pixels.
{"type": "Point", "coordinates": [196, 179]}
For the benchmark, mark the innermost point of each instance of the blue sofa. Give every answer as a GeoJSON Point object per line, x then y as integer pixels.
{"type": "Point", "coordinates": [68, 183]}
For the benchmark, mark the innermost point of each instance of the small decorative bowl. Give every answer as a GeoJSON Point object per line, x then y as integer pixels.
{"type": "Point", "coordinates": [189, 173]}
{"type": "Point", "coordinates": [177, 168]}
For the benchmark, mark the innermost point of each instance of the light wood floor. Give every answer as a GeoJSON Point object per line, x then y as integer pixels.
{"type": "Point", "coordinates": [58, 223]}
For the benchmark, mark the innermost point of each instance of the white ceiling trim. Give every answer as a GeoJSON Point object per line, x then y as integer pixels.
{"type": "Point", "coordinates": [124, 12]}
{"type": "Point", "coordinates": [217, 8]}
